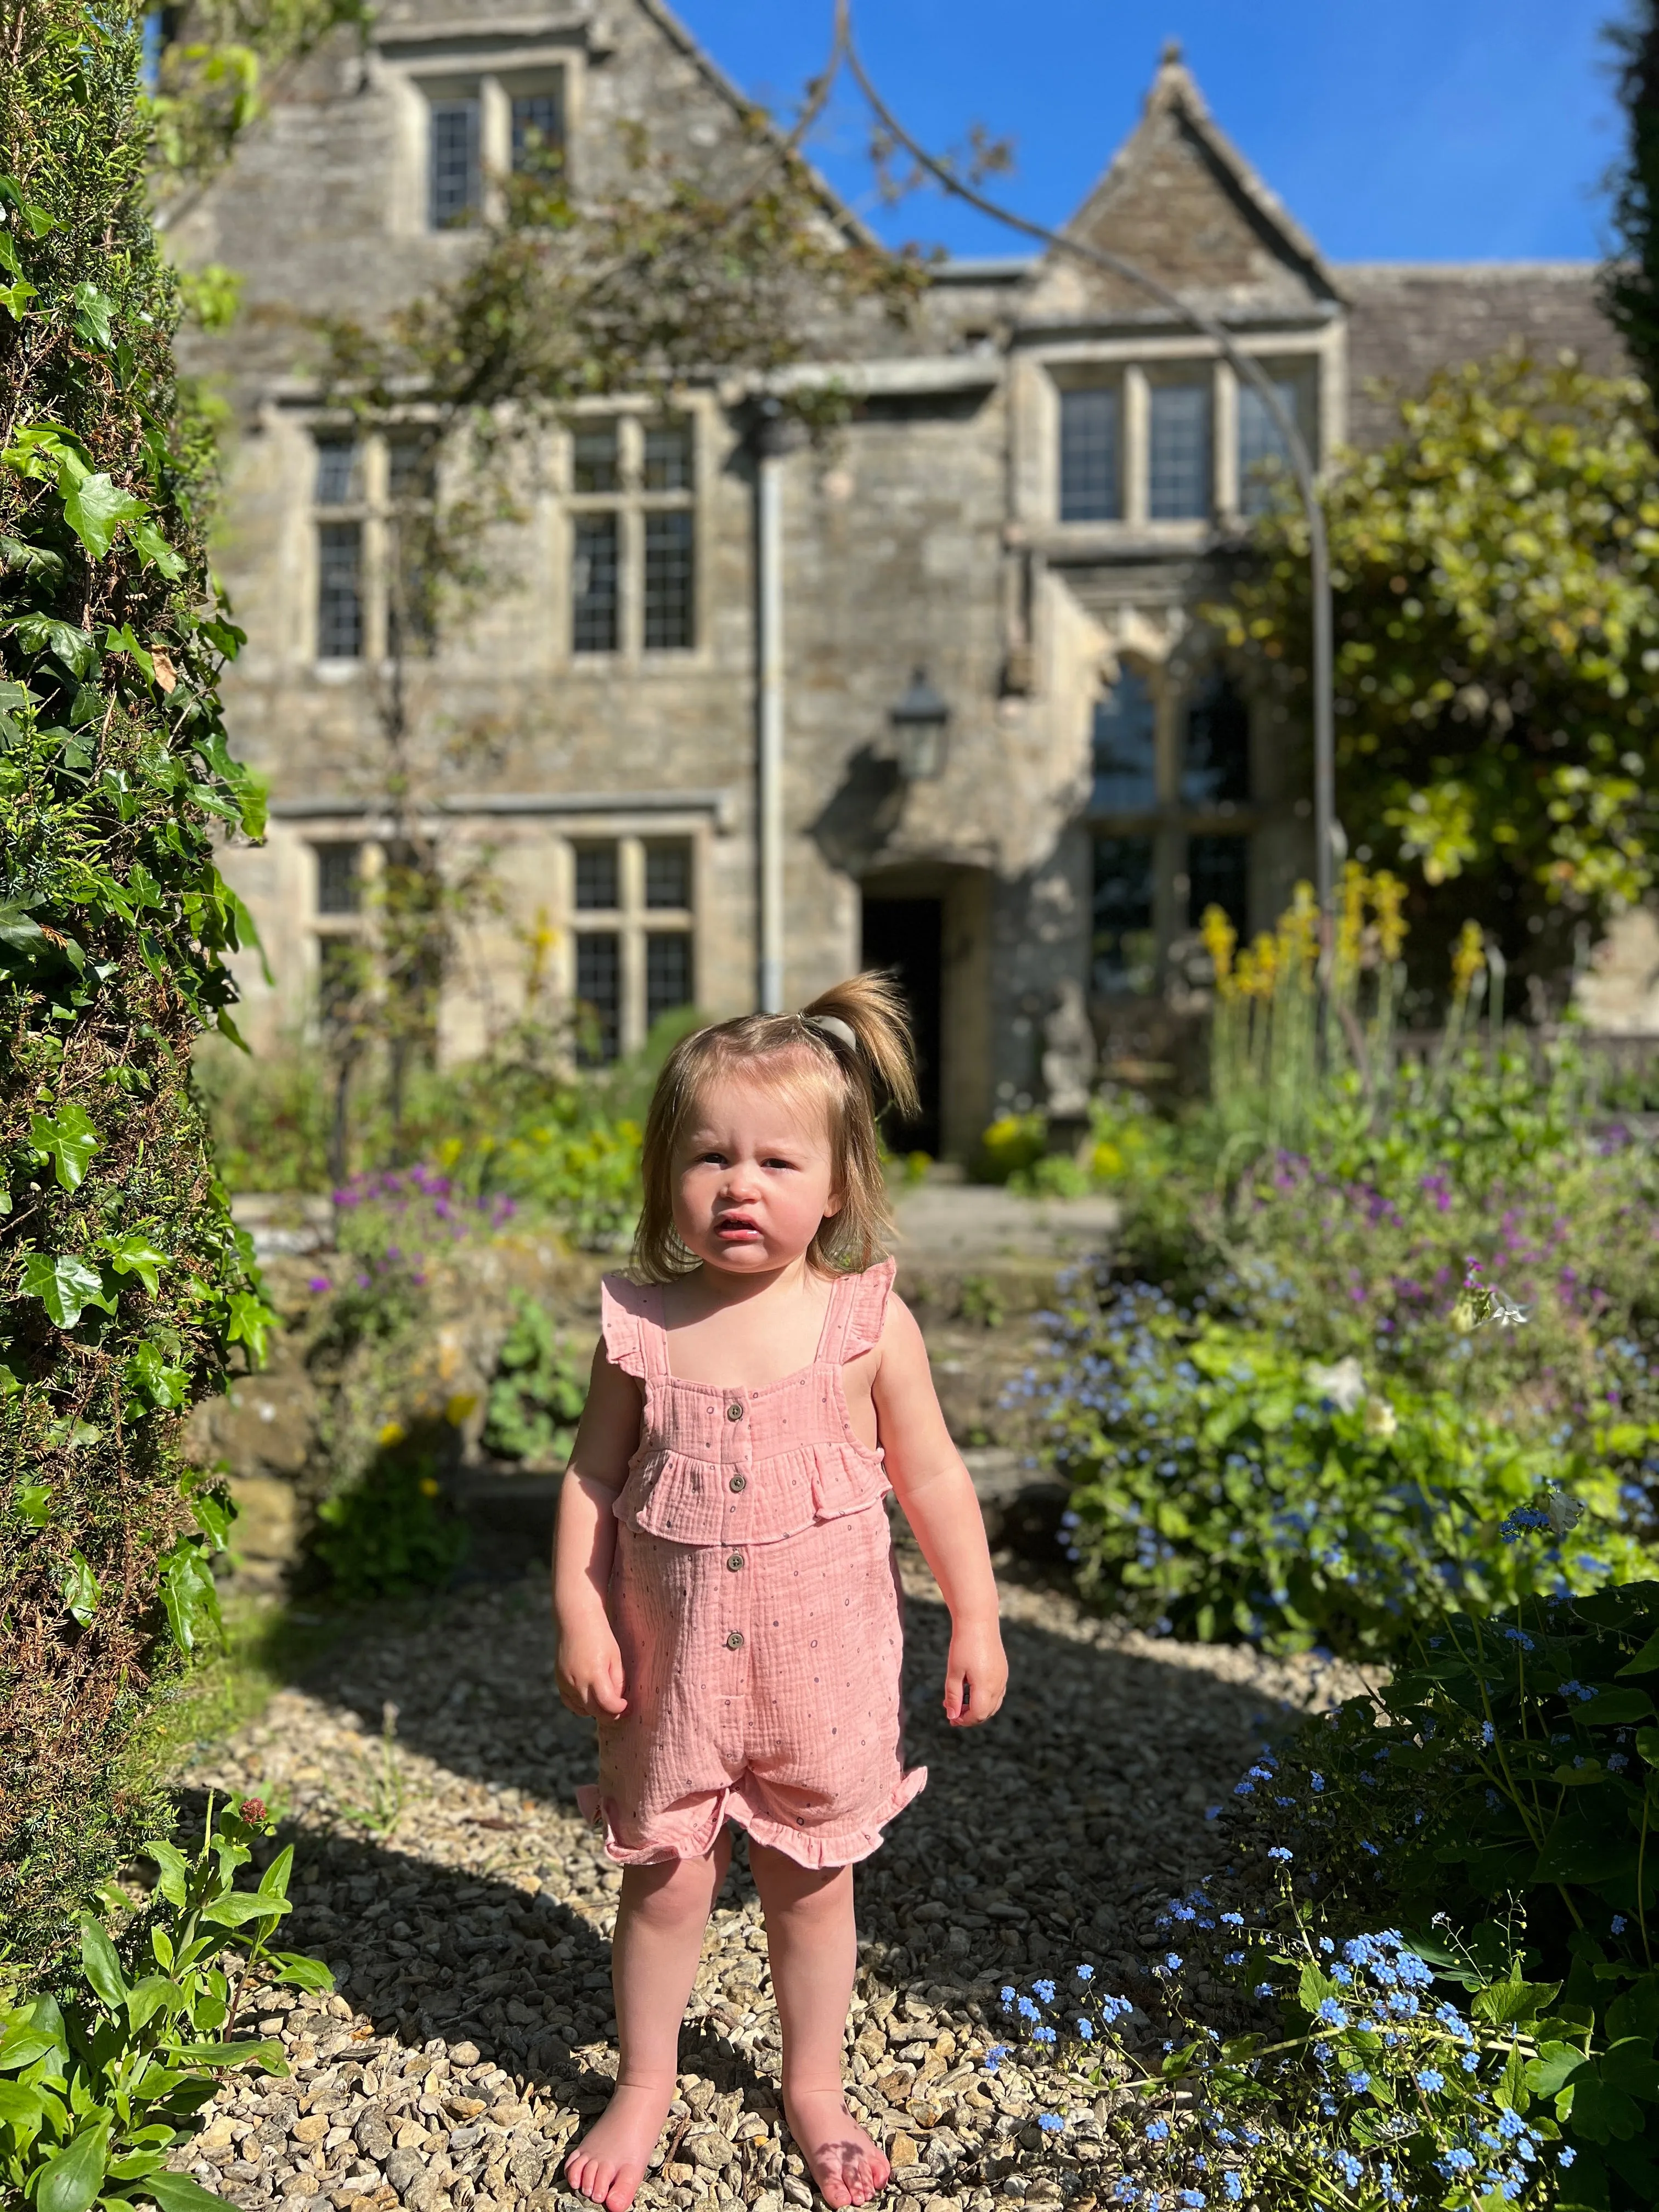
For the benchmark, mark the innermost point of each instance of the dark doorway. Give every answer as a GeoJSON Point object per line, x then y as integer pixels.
{"type": "Point", "coordinates": [907, 935]}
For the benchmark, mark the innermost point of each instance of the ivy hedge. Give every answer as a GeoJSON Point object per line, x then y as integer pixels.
{"type": "Point", "coordinates": [126, 1291]}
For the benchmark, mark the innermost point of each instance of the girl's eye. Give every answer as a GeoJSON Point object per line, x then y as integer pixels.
{"type": "Point", "coordinates": [777, 1163]}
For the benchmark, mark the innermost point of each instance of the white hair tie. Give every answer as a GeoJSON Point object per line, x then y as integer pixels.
{"type": "Point", "coordinates": [833, 1026]}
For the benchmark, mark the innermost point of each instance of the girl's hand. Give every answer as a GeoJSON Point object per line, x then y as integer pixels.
{"type": "Point", "coordinates": [975, 1673]}
{"type": "Point", "coordinates": [589, 1673]}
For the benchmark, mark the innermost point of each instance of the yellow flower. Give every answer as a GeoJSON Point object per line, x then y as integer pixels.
{"type": "Point", "coordinates": [429, 1486]}
{"type": "Point", "coordinates": [1388, 894]}
{"type": "Point", "coordinates": [1468, 957]}
{"type": "Point", "coordinates": [460, 1406]}
{"type": "Point", "coordinates": [1219, 938]}
{"type": "Point", "coordinates": [393, 1433]}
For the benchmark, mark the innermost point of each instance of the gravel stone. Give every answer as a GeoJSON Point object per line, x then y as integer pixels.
{"type": "Point", "coordinates": [473, 2035]}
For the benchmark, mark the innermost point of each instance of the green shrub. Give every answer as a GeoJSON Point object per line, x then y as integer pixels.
{"type": "Point", "coordinates": [391, 1530]}
{"type": "Point", "coordinates": [99, 2082]}
{"type": "Point", "coordinates": [125, 1293]}
{"type": "Point", "coordinates": [1011, 1143]}
{"type": "Point", "coordinates": [1223, 1485]}
{"type": "Point", "coordinates": [538, 1393]}
{"type": "Point", "coordinates": [1513, 1764]}
{"type": "Point", "coordinates": [270, 1116]}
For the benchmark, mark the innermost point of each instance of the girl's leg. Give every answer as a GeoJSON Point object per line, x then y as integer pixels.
{"type": "Point", "coordinates": [653, 1963]}
{"type": "Point", "coordinates": [814, 1951]}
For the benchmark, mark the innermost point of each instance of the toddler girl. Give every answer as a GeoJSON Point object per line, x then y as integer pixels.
{"type": "Point", "coordinates": [723, 1579]}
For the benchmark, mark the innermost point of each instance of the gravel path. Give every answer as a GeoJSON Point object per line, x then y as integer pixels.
{"type": "Point", "coordinates": [467, 1909]}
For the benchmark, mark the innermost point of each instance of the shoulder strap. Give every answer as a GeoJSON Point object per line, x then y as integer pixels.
{"type": "Point", "coordinates": [858, 1307]}
{"type": "Point", "coordinates": [630, 1316]}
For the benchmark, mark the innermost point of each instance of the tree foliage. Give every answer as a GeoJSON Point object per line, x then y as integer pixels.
{"type": "Point", "coordinates": [126, 1291]}
{"type": "Point", "coordinates": [1496, 570]}
{"type": "Point", "coordinates": [1629, 284]}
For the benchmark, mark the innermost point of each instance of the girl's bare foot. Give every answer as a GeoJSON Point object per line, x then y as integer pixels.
{"type": "Point", "coordinates": [845, 2165]}
{"type": "Point", "coordinates": [609, 2163]}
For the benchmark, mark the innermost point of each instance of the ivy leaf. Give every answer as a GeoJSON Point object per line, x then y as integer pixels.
{"type": "Point", "coordinates": [37, 560]}
{"type": "Point", "coordinates": [150, 1370]}
{"type": "Point", "coordinates": [250, 1317]}
{"type": "Point", "coordinates": [80, 1588]}
{"type": "Point", "coordinates": [68, 1142]}
{"type": "Point", "coordinates": [46, 634]}
{"type": "Point", "coordinates": [32, 1502]}
{"type": "Point", "coordinates": [17, 932]}
{"type": "Point", "coordinates": [134, 1254]}
{"type": "Point", "coordinates": [94, 509]}
{"type": "Point", "coordinates": [148, 543]}
{"type": "Point", "coordinates": [65, 1285]}
{"type": "Point", "coordinates": [92, 316]}
{"type": "Point", "coordinates": [189, 1595]}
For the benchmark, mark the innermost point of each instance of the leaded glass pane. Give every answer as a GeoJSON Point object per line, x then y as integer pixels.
{"type": "Point", "coordinates": [1089, 464]}
{"type": "Point", "coordinates": [598, 996]}
{"type": "Point", "coordinates": [667, 972]}
{"type": "Point", "coordinates": [1178, 488]}
{"type": "Point", "coordinates": [1125, 749]}
{"type": "Point", "coordinates": [452, 187]}
{"type": "Point", "coordinates": [1124, 946]}
{"type": "Point", "coordinates": [669, 579]}
{"type": "Point", "coordinates": [595, 599]}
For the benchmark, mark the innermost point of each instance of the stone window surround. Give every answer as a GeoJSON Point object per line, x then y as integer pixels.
{"type": "Point", "coordinates": [1172, 821]}
{"type": "Point", "coordinates": [632, 920]}
{"type": "Point", "coordinates": [371, 506]}
{"type": "Point", "coordinates": [1041, 372]}
{"type": "Point", "coordinates": [493, 68]}
{"type": "Point", "coordinates": [630, 502]}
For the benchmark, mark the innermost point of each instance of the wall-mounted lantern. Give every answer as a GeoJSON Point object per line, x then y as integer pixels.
{"type": "Point", "coordinates": [919, 720]}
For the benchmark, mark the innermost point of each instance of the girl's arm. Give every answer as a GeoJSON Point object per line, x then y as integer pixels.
{"type": "Point", "coordinates": [589, 1668]}
{"type": "Point", "coordinates": [937, 1492]}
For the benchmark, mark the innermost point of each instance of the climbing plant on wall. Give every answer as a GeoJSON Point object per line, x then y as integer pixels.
{"type": "Point", "coordinates": [125, 1293]}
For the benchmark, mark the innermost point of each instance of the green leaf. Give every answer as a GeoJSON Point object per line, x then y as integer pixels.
{"type": "Point", "coordinates": [250, 1318]}
{"type": "Point", "coordinates": [65, 1285]}
{"type": "Point", "coordinates": [177, 2192]}
{"type": "Point", "coordinates": [189, 1594]}
{"type": "Point", "coordinates": [148, 543]}
{"type": "Point", "coordinates": [94, 509]}
{"type": "Point", "coordinates": [99, 1962]}
{"type": "Point", "coordinates": [30, 2032]}
{"type": "Point", "coordinates": [269, 2055]}
{"type": "Point", "coordinates": [275, 1881]}
{"type": "Point", "coordinates": [80, 1590]}
{"type": "Point", "coordinates": [92, 316]}
{"type": "Point", "coordinates": [1646, 1660]}
{"type": "Point", "coordinates": [1603, 2114]}
{"type": "Point", "coordinates": [21, 2105]}
{"type": "Point", "coordinates": [70, 2182]}
{"type": "Point", "coordinates": [173, 1869]}
{"type": "Point", "coordinates": [1631, 2066]}
{"type": "Point", "coordinates": [75, 647]}
{"type": "Point", "coordinates": [134, 1254]}
{"type": "Point", "coordinates": [155, 1993]}
{"type": "Point", "coordinates": [300, 1973]}
{"type": "Point", "coordinates": [238, 1907]}
{"type": "Point", "coordinates": [32, 1502]}
{"type": "Point", "coordinates": [67, 1140]}
{"type": "Point", "coordinates": [150, 1370]}
{"type": "Point", "coordinates": [1615, 1705]}
{"type": "Point", "coordinates": [1548, 2071]}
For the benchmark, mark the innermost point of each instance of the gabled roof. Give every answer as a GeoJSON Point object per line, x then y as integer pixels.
{"type": "Point", "coordinates": [1179, 199]}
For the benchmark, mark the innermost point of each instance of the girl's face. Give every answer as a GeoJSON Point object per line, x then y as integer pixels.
{"type": "Point", "coordinates": [753, 1178]}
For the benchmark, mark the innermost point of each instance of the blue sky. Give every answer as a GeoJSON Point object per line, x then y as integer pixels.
{"type": "Point", "coordinates": [1421, 130]}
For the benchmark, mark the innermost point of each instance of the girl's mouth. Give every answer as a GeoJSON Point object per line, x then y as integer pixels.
{"type": "Point", "coordinates": [737, 1228]}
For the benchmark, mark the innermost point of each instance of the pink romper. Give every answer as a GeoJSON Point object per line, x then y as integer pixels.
{"type": "Point", "coordinates": [756, 1601]}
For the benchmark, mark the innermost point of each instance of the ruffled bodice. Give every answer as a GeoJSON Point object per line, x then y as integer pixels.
{"type": "Point", "coordinates": [732, 1467]}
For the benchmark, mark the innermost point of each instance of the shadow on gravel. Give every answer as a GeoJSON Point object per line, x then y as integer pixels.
{"type": "Point", "coordinates": [1032, 1845]}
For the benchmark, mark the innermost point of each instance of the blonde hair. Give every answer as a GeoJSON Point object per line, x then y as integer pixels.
{"type": "Point", "coordinates": [847, 1049]}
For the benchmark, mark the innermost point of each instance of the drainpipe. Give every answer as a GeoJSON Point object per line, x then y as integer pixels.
{"type": "Point", "coordinates": [769, 446]}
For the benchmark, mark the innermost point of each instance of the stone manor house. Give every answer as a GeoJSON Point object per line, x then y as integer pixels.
{"type": "Point", "coordinates": [744, 713]}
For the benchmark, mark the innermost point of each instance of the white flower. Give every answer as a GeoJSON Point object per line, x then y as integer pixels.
{"type": "Point", "coordinates": [1381, 1418]}
{"type": "Point", "coordinates": [1344, 1384]}
{"type": "Point", "coordinates": [1565, 1511]}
